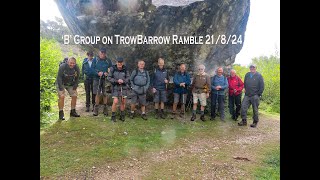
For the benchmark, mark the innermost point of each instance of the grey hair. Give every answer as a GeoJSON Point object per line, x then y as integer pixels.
{"type": "Point", "coordinates": [201, 65]}
{"type": "Point", "coordinates": [233, 70]}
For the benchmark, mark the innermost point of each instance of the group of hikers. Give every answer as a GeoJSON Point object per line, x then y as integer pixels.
{"type": "Point", "coordinates": [98, 72]}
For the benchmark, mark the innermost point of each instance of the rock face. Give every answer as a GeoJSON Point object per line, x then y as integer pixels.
{"type": "Point", "coordinates": [157, 18]}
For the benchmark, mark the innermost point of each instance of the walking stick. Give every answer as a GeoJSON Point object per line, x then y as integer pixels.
{"type": "Point", "coordinates": [184, 106]}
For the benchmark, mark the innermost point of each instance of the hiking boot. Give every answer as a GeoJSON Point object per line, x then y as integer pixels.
{"type": "Point", "coordinates": [87, 108]}
{"type": "Point", "coordinates": [144, 116]}
{"type": "Point", "coordinates": [222, 119]}
{"type": "Point", "coordinates": [233, 117]}
{"type": "Point", "coordinates": [202, 118]}
{"type": "Point", "coordinates": [254, 124]}
{"type": "Point", "coordinates": [132, 115]}
{"type": "Point", "coordinates": [61, 115]}
{"type": "Point", "coordinates": [93, 107]}
{"type": "Point", "coordinates": [105, 110]}
{"type": "Point", "coordinates": [96, 110]}
{"type": "Point", "coordinates": [122, 117]}
{"type": "Point", "coordinates": [73, 113]}
{"type": "Point", "coordinates": [162, 116]}
{"type": "Point", "coordinates": [157, 114]}
{"type": "Point", "coordinates": [193, 117]}
{"type": "Point", "coordinates": [212, 118]}
{"type": "Point", "coordinates": [243, 122]}
{"type": "Point", "coordinates": [236, 117]}
{"type": "Point", "coordinates": [173, 115]}
{"type": "Point", "coordinates": [113, 118]}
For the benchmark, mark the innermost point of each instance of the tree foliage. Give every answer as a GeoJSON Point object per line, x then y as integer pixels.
{"type": "Point", "coordinates": [54, 29]}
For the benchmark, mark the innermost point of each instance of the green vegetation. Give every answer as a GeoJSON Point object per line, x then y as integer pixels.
{"type": "Point", "coordinates": [271, 166]}
{"type": "Point", "coordinates": [50, 56]}
{"type": "Point", "coordinates": [269, 67]}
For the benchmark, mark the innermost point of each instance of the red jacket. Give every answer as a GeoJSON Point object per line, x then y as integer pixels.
{"type": "Point", "coordinates": [235, 83]}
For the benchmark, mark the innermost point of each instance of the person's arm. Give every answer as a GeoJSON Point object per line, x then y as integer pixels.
{"type": "Point", "coordinates": [77, 77]}
{"type": "Point", "coordinates": [208, 84]}
{"type": "Point", "coordinates": [261, 85]}
{"type": "Point", "coordinates": [59, 78]}
{"type": "Point", "coordinates": [131, 77]}
{"type": "Point", "coordinates": [153, 77]}
{"type": "Point", "coordinates": [175, 80]}
{"type": "Point", "coordinates": [127, 78]}
{"type": "Point", "coordinates": [212, 83]}
{"type": "Point", "coordinates": [83, 69]}
{"type": "Point", "coordinates": [110, 77]}
{"type": "Point", "coordinates": [148, 79]}
{"type": "Point", "coordinates": [226, 84]}
{"type": "Point", "coordinates": [241, 85]}
{"type": "Point", "coordinates": [188, 80]}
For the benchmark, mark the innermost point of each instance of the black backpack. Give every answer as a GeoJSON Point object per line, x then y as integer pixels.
{"type": "Point", "coordinates": [63, 61]}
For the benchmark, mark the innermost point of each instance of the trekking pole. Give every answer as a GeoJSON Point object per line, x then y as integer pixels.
{"type": "Point", "coordinates": [184, 106]}
{"type": "Point", "coordinates": [99, 85]}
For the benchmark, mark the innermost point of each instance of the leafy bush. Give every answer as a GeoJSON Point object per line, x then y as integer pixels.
{"type": "Point", "coordinates": [50, 56]}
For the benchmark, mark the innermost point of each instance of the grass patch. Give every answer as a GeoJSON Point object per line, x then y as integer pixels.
{"type": "Point", "coordinates": [271, 166]}
{"type": "Point", "coordinates": [80, 143]}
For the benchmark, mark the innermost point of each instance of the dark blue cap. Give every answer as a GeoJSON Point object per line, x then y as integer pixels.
{"type": "Point", "coordinates": [103, 49]}
{"type": "Point", "coordinates": [120, 59]}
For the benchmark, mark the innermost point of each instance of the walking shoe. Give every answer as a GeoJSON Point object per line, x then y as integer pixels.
{"type": "Point", "coordinates": [202, 118]}
{"type": "Point", "coordinates": [61, 115]}
{"type": "Point", "coordinates": [162, 116]}
{"type": "Point", "coordinates": [73, 113]}
{"type": "Point", "coordinates": [193, 117]}
{"type": "Point", "coordinates": [96, 110]}
{"type": "Point", "coordinates": [122, 117]}
{"type": "Point", "coordinates": [254, 124]}
{"type": "Point", "coordinates": [212, 118]}
{"type": "Point", "coordinates": [243, 122]}
{"type": "Point", "coordinates": [173, 115]}
{"type": "Point", "coordinates": [144, 116]}
{"type": "Point", "coordinates": [157, 114]}
{"type": "Point", "coordinates": [105, 110]}
{"type": "Point", "coordinates": [131, 115]}
{"type": "Point", "coordinates": [87, 108]}
{"type": "Point", "coordinates": [113, 118]}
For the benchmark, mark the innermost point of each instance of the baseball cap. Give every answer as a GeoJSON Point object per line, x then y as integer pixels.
{"type": "Point", "coordinates": [119, 59]}
{"type": "Point", "coordinates": [103, 49]}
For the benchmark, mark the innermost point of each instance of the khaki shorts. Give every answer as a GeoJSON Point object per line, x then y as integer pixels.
{"type": "Point", "coordinates": [202, 98]}
{"type": "Point", "coordinates": [69, 89]}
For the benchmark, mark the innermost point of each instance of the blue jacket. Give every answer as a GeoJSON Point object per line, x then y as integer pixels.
{"type": "Point", "coordinates": [101, 66]}
{"type": "Point", "coordinates": [219, 81]}
{"type": "Point", "coordinates": [181, 78]}
{"type": "Point", "coordinates": [86, 69]}
{"type": "Point", "coordinates": [158, 79]}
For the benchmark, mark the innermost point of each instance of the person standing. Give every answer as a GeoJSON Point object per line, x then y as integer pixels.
{"type": "Point", "coordinates": [99, 82]}
{"type": "Point", "coordinates": [218, 85]}
{"type": "Point", "coordinates": [181, 82]}
{"type": "Point", "coordinates": [119, 78]}
{"type": "Point", "coordinates": [159, 84]}
{"type": "Point", "coordinates": [235, 92]}
{"type": "Point", "coordinates": [254, 87]}
{"type": "Point", "coordinates": [200, 91]}
{"type": "Point", "coordinates": [68, 79]}
{"type": "Point", "coordinates": [140, 81]}
{"type": "Point", "coordinates": [88, 74]}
